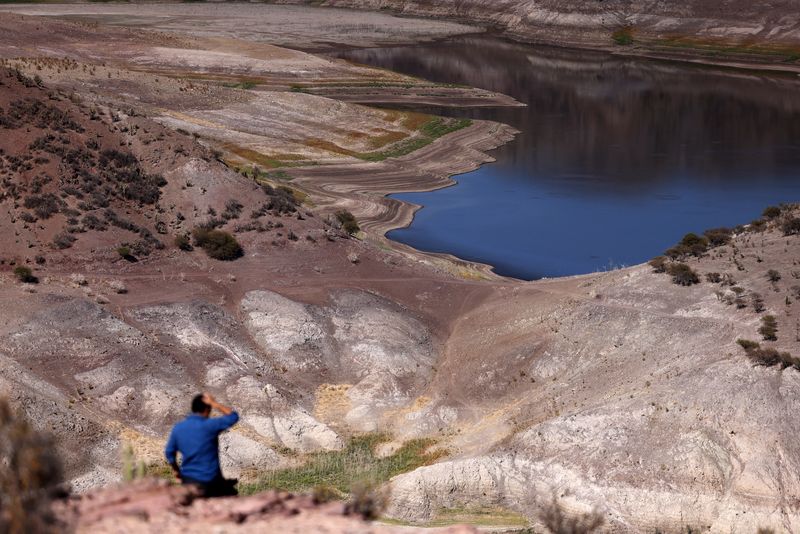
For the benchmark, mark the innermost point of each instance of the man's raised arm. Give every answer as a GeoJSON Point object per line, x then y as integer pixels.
{"type": "Point", "coordinates": [211, 401]}
{"type": "Point", "coordinates": [229, 415]}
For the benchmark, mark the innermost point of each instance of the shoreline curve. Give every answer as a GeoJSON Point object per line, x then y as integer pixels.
{"type": "Point", "coordinates": [364, 188]}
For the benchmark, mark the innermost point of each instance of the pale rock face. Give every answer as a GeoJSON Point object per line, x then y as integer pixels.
{"type": "Point", "coordinates": [300, 431]}
{"type": "Point", "coordinates": [249, 392]}
{"type": "Point", "coordinates": [263, 425]}
{"type": "Point", "coordinates": [221, 373]}
{"type": "Point", "coordinates": [390, 352]}
{"type": "Point", "coordinates": [199, 325]}
{"type": "Point", "coordinates": [161, 401]}
{"type": "Point", "coordinates": [361, 418]}
{"type": "Point", "coordinates": [239, 452]}
{"type": "Point", "coordinates": [474, 482]}
{"type": "Point", "coordinates": [120, 400]}
{"type": "Point", "coordinates": [649, 413]}
{"type": "Point", "coordinates": [105, 374]}
{"type": "Point", "coordinates": [510, 481]}
{"type": "Point", "coordinates": [295, 429]}
{"type": "Point", "coordinates": [383, 351]}
{"type": "Point", "coordinates": [273, 417]}
{"type": "Point", "coordinates": [277, 323]}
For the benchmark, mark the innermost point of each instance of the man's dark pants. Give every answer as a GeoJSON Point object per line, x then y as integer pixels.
{"type": "Point", "coordinates": [219, 487]}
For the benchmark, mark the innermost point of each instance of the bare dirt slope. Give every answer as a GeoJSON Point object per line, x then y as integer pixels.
{"type": "Point", "coordinates": [256, 107]}
{"type": "Point", "coordinates": [607, 389]}
{"type": "Point", "coordinates": [123, 326]}
{"type": "Point", "coordinates": [628, 386]}
{"type": "Point", "coordinates": [294, 26]}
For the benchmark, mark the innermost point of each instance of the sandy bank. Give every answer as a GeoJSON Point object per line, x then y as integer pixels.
{"type": "Point", "coordinates": [363, 188]}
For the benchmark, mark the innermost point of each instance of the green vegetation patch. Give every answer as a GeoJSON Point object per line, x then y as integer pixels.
{"type": "Point", "coordinates": [349, 222]}
{"type": "Point", "coordinates": [400, 149]}
{"type": "Point", "coordinates": [218, 245]}
{"type": "Point", "coordinates": [277, 175]}
{"type": "Point", "coordinates": [623, 36]}
{"type": "Point", "coordinates": [25, 275]}
{"type": "Point", "coordinates": [244, 84]}
{"type": "Point", "coordinates": [428, 130]}
{"type": "Point", "coordinates": [356, 465]}
{"type": "Point", "coordinates": [757, 50]}
{"type": "Point", "coordinates": [255, 173]}
{"type": "Point", "coordinates": [431, 130]}
{"type": "Point", "coordinates": [768, 356]}
{"type": "Point", "coordinates": [438, 127]}
{"type": "Point", "coordinates": [355, 84]}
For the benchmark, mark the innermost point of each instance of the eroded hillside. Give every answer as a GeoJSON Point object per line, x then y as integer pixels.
{"type": "Point", "coordinates": [621, 391]}
{"type": "Point", "coordinates": [629, 392]}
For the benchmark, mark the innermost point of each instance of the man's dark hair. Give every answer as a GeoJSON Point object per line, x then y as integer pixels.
{"type": "Point", "coordinates": [199, 405]}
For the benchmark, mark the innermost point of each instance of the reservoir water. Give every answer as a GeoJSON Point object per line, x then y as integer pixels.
{"type": "Point", "coordinates": [618, 157]}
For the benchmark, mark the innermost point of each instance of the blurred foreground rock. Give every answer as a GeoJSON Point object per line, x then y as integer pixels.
{"type": "Point", "coordinates": [156, 506]}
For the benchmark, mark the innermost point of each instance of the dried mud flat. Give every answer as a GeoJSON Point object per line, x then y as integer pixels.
{"type": "Point", "coordinates": [619, 391]}
{"type": "Point", "coordinates": [293, 26]}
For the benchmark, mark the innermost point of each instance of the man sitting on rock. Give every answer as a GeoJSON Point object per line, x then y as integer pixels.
{"type": "Point", "coordinates": [196, 438]}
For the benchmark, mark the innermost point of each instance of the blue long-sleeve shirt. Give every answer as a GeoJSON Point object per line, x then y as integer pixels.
{"type": "Point", "coordinates": [196, 438]}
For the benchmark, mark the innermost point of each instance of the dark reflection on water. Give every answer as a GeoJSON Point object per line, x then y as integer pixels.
{"type": "Point", "coordinates": [617, 159]}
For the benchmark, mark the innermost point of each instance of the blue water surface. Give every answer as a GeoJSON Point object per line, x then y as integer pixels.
{"type": "Point", "coordinates": [532, 229]}
{"type": "Point", "coordinates": [617, 158]}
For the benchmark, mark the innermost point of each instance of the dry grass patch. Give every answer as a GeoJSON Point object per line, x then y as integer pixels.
{"type": "Point", "coordinates": [392, 144]}
{"type": "Point", "coordinates": [330, 146]}
{"type": "Point", "coordinates": [387, 137]}
{"type": "Point", "coordinates": [392, 115]}
{"type": "Point", "coordinates": [332, 402]}
{"type": "Point", "coordinates": [786, 52]}
{"type": "Point", "coordinates": [486, 517]}
{"type": "Point", "coordinates": [415, 121]}
{"type": "Point", "coordinates": [480, 517]}
{"type": "Point", "coordinates": [270, 161]}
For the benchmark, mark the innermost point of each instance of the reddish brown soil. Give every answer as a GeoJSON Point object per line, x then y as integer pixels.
{"type": "Point", "coordinates": [154, 506]}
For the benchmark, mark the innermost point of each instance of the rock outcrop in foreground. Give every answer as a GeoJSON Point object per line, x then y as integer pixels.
{"type": "Point", "coordinates": [156, 506]}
